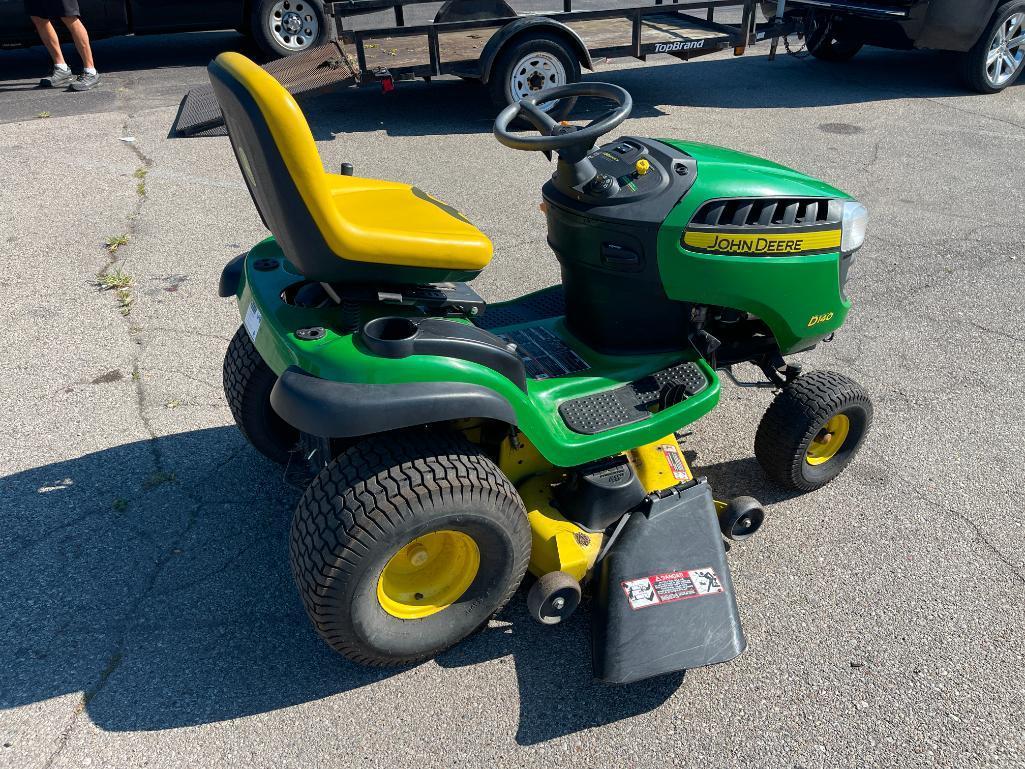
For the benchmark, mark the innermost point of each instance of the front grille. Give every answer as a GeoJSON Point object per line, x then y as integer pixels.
{"type": "Point", "coordinates": [768, 212]}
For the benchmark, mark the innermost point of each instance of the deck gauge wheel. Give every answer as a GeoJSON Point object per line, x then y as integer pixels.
{"type": "Point", "coordinates": [553, 598]}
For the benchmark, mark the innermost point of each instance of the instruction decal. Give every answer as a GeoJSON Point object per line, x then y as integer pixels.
{"type": "Point", "coordinates": [676, 464]}
{"type": "Point", "coordinates": [252, 321]}
{"type": "Point", "coordinates": [670, 587]}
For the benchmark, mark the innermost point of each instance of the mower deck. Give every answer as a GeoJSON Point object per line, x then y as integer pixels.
{"type": "Point", "coordinates": [577, 405]}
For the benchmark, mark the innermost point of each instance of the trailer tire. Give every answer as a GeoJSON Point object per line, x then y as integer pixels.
{"type": "Point", "coordinates": [534, 57]}
{"type": "Point", "coordinates": [974, 66]}
{"type": "Point", "coordinates": [284, 27]}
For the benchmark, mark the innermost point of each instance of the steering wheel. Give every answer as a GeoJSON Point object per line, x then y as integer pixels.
{"type": "Point", "coordinates": [554, 135]}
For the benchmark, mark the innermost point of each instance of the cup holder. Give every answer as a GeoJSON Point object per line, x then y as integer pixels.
{"type": "Point", "coordinates": [390, 337]}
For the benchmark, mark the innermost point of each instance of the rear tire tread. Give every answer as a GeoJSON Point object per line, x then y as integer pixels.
{"type": "Point", "coordinates": [374, 485]}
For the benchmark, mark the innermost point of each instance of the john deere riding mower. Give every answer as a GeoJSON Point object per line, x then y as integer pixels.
{"type": "Point", "coordinates": [453, 447]}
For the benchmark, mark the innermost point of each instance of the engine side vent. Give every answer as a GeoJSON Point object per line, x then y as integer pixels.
{"type": "Point", "coordinates": [768, 212]}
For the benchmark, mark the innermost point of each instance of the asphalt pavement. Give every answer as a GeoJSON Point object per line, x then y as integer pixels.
{"type": "Point", "coordinates": [149, 617]}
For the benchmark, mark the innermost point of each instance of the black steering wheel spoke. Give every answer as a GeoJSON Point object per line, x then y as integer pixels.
{"type": "Point", "coordinates": [538, 118]}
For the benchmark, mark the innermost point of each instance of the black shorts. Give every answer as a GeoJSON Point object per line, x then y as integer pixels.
{"type": "Point", "coordinates": [52, 9]}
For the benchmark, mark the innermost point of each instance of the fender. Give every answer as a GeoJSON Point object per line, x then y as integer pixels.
{"type": "Point", "coordinates": [536, 23]}
{"type": "Point", "coordinates": [345, 410]}
{"type": "Point", "coordinates": [954, 25]}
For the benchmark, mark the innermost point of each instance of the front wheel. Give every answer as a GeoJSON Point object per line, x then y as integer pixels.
{"type": "Point", "coordinates": [998, 57]}
{"type": "Point", "coordinates": [534, 64]}
{"type": "Point", "coordinates": [283, 27]}
{"type": "Point", "coordinates": [813, 429]}
{"type": "Point", "coordinates": [406, 544]}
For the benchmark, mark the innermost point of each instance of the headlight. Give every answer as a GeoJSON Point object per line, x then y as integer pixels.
{"type": "Point", "coordinates": [855, 223]}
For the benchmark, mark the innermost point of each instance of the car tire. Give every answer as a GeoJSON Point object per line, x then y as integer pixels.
{"type": "Point", "coordinates": [285, 27]}
{"type": "Point", "coordinates": [539, 56]}
{"type": "Point", "coordinates": [827, 40]}
{"type": "Point", "coordinates": [248, 381]}
{"type": "Point", "coordinates": [976, 70]}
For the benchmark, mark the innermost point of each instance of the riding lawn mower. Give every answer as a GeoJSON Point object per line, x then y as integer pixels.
{"type": "Point", "coordinates": [450, 447]}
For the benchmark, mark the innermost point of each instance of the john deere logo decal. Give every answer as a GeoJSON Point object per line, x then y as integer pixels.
{"type": "Point", "coordinates": [777, 244]}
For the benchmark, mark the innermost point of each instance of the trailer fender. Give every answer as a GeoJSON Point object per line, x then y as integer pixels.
{"type": "Point", "coordinates": [333, 409]}
{"type": "Point", "coordinates": [523, 26]}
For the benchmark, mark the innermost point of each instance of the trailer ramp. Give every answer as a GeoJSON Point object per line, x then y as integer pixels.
{"type": "Point", "coordinates": [303, 74]}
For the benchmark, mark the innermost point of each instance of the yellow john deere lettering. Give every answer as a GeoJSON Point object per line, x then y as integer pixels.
{"type": "Point", "coordinates": [776, 243]}
{"type": "Point", "coordinates": [816, 319]}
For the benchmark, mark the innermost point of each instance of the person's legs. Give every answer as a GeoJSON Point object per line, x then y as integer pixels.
{"type": "Point", "coordinates": [49, 37]}
{"type": "Point", "coordinates": [80, 37]}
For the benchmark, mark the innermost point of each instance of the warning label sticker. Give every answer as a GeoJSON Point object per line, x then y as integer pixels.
{"type": "Point", "coordinates": [676, 464]}
{"type": "Point", "coordinates": [671, 586]}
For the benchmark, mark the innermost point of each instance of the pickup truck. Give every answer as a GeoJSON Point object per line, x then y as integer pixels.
{"type": "Point", "coordinates": [989, 35]}
{"type": "Point", "coordinates": [279, 27]}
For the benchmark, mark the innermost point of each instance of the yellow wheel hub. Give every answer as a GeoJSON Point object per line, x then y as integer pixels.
{"type": "Point", "coordinates": [829, 440]}
{"type": "Point", "coordinates": [428, 574]}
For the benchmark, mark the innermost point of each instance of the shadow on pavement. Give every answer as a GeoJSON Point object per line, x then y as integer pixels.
{"type": "Point", "coordinates": [154, 578]}
{"type": "Point", "coordinates": [446, 106]}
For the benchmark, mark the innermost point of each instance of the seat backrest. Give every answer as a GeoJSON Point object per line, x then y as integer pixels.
{"type": "Point", "coordinates": [278, 158]}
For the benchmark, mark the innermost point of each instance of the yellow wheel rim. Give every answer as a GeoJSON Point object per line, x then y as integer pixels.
{"type": "Point", "coordinates": [828, 441]}
{"type": "Point", "coordinates": [428, 574]}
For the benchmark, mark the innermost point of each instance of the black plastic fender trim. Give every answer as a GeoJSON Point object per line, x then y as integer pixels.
{"type": "Point", "coordinates": [347, 410]}
{"type": "Point", "coordinates": [231, 277]}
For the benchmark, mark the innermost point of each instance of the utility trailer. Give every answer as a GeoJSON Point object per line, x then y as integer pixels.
{"type": "Point", "coordinates": [512, 54]}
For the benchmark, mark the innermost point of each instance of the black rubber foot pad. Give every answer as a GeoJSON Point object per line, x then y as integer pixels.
{"type": "Point", "coordinates": [629, 403]}
{"type": "Point", "coordinates": [549, 303]}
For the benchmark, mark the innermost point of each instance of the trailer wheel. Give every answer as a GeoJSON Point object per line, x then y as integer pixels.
{"type": "Point", "coordinates": [283, 27]}
{"type": "Point", "coordinates": [530, 64]}
{"type": "Point", "coordinates": [829, 41]}
{"type": "Point", "coordinates": [998, 57]}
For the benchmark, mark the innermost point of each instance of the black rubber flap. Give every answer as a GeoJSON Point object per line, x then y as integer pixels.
{"type": "Point", "coordinates": [665, 598]}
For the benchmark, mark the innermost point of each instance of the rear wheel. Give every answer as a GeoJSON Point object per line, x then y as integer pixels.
{"type": "Point", "coordinates": [283, 27]}
{"type": "Point", "coordinates": [533, 64]}
{"type": "Point", "coordinates": [828, 40]}
{"type": "Point", "coordinates": [248, 381]}
{"type": "Point", "coordinates": [813, 429]}
{"type": "Point", "coordinates": [406, 544]}
{"type": "Point", "coordinates": [998, 57]}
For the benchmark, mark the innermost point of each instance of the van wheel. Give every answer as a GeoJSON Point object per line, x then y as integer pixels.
{"type": "Point", "coordinates": [532, 64]}
{"type": "Point", "coordinates": [998, 57]}
{"type": "Point", "coordinates": [283, 27]}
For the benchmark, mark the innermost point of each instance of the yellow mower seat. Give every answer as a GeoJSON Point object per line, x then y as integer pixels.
{"type": "Point", "coordinates": [331, 227]}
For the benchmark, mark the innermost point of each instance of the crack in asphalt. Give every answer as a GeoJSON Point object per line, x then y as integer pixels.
{"type": "Point", "coordinates": [117, 655]}
{"type": "Point", "coordinates": [1016, 571]}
